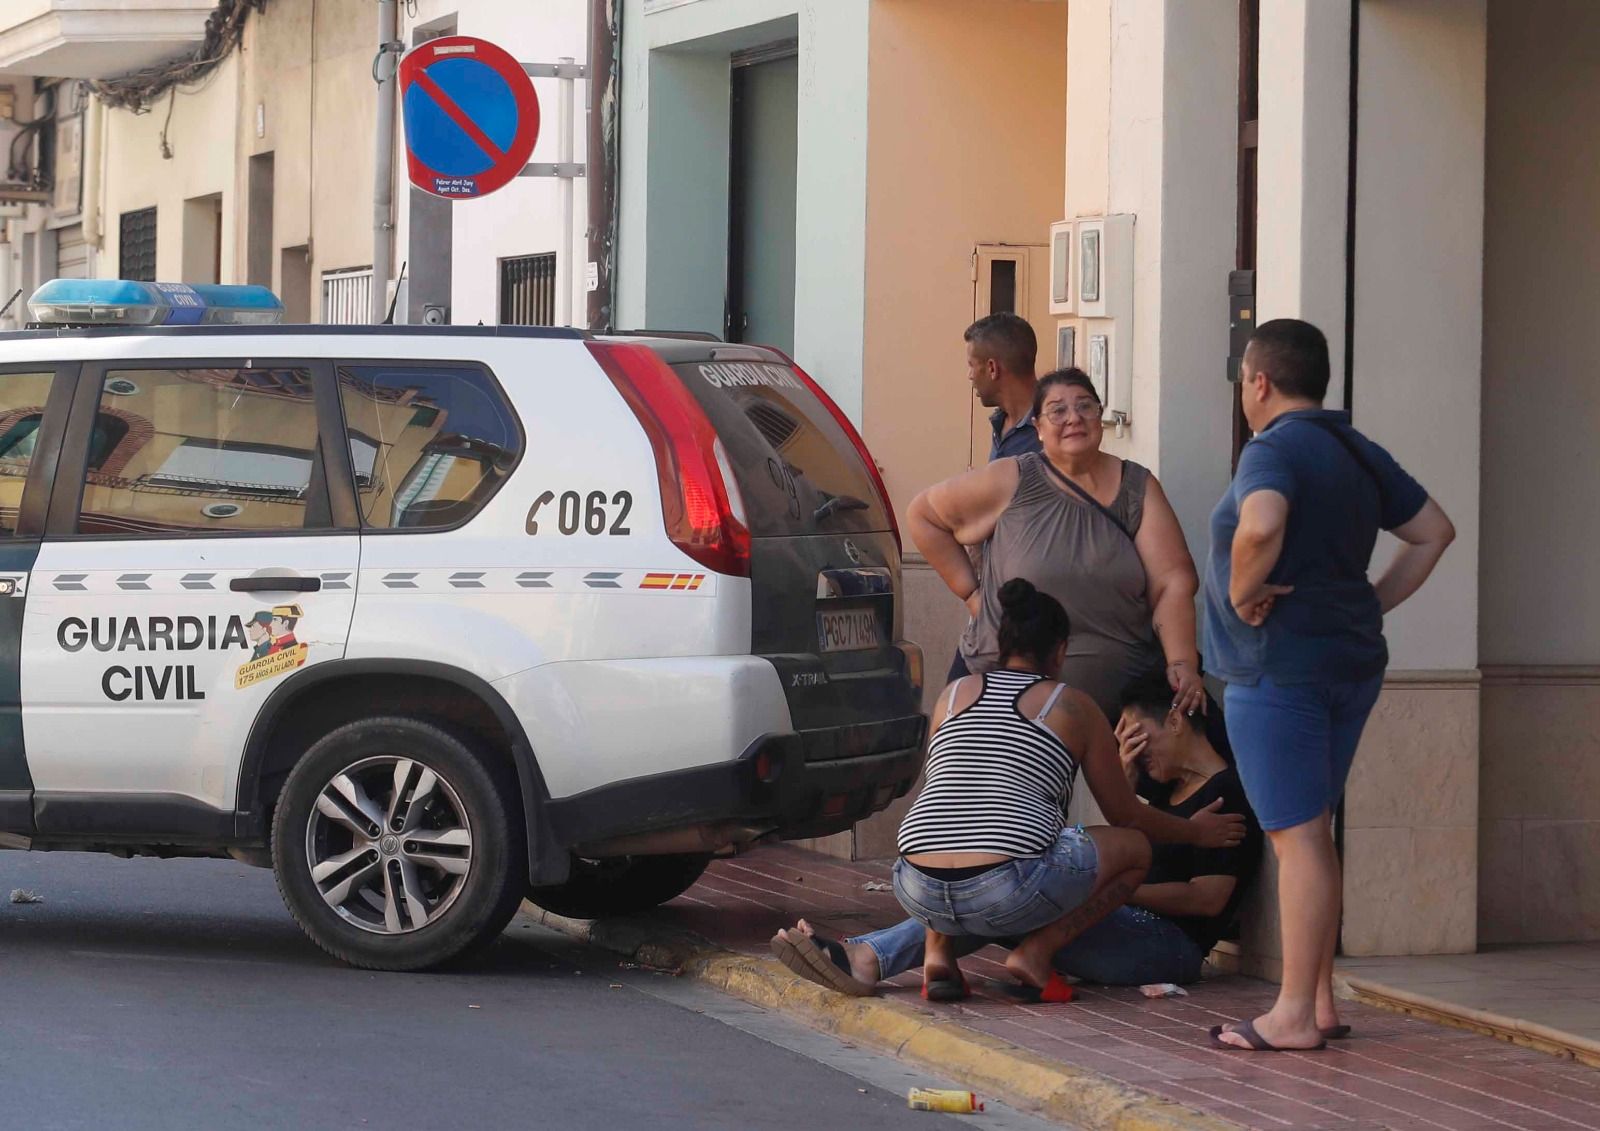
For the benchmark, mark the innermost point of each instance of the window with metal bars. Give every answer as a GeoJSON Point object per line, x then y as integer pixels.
{"type": "Point", "coordinates": [136, 246]}
{"type": "Point", "coordinates": [528, 290]}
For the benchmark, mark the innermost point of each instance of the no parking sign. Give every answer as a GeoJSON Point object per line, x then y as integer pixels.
{"type": "Point", "coordinates": [471, 116]}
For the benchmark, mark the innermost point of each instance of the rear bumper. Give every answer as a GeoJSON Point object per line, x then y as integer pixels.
{"type": "Point", "coordinates": [777, 787]}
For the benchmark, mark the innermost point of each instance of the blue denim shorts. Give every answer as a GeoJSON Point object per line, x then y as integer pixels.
{"type": "Point", "coordinates": [1294, 744]}
{"type": "Point", "coordinates": [1010, 899]}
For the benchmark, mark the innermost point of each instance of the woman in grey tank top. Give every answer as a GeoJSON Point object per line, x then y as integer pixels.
{"type": "Point", "coordinates": [1093, 531]}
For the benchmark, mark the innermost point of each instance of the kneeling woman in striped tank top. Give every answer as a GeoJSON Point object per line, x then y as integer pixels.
{"type": "Point", "coordinates": [986, 853]}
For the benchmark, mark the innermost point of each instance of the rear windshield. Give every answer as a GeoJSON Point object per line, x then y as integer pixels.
{"type": "Point", "coordinates": [796, 468]}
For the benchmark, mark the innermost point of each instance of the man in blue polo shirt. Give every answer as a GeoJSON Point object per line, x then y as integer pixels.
{"type": "Point", "coordinates": [1001, 353]}
{"type": "Point", "coordinates": [1001, 350]}
{"type": "Point", "coordinates": [1295, 628]}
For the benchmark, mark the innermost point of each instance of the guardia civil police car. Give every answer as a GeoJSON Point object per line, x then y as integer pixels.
{"type": "Point", "coordinates": [431, 619]}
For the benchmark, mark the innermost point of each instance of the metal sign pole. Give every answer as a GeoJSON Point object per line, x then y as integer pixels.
{"type": "Point", "coordinates": [568, 72]}
{"type": "Point", "coordinates": [564, 260]}
{"type": "Point", "coordinates": [383, 165]}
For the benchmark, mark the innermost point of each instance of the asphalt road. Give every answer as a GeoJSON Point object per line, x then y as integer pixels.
{"type": "Point", "coordinates": [179, 994]}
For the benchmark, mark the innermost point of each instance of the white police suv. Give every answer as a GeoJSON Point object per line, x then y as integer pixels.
{"type": "Point", "coordinates": [433, 619]}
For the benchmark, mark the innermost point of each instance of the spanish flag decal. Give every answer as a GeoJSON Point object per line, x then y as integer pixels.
{"type": "Point", "coordinates": [681, 581]}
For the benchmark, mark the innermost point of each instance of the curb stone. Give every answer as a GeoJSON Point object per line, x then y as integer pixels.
{"type": "Point", "coordinates": [1060, 1092]}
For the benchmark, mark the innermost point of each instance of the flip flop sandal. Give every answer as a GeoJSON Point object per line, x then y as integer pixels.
{"type": "Point", "coordinates": [1255, 1040]}
{"type": "Point", "coordinates": [1056, 991]}
{"type": "Point", "coordinates": [1336, 1033]}
{"type": "Point", "coordinates": [821, 960]}
{"type": "Point", "coordinates": [951, 987]}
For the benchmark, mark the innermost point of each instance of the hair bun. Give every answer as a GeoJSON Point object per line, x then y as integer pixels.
{"type": "Point", "coordinates": [1017, 594]}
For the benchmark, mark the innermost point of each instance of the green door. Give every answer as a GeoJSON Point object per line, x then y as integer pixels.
{"type": "Point", "coordinates": [761, 205]}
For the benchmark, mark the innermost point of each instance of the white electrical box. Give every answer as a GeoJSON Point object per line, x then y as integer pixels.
{"type": "Point", "coordinates": [1062, 237]}
{"type": "Point", "coordinates": [1104, 266]}
{"type": "Point", "coordinates": [1101, 265]}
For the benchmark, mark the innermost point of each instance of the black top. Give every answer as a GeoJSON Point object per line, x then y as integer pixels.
{"type": "Point", "coordinates": [1180, 863]}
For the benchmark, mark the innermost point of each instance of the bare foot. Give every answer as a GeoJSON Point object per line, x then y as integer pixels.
{"type": "Point", "coordinates": [1029, 967]}
{"type": "Point", "coordinates": [863, 959]}
{"type": "Point", "coordinates": [1276, 1033]}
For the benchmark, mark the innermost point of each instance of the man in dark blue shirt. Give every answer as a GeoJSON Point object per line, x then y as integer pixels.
{"type": "Point", "coordinates": [1295, 628]}
{"type": "Point", "coordinates": [1001, 352]}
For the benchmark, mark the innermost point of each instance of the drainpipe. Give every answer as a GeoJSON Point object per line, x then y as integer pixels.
{"type": "Point", "coordinates": [605, 39]}
{"type": "Point", "coordinates": [383, 171]}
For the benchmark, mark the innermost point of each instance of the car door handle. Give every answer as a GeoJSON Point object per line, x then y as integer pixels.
{"type": "Point", "coordinates": [275, 584]}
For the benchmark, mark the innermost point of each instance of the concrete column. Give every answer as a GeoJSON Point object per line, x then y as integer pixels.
{"type": "Point", "coordinates": [1151, 131]}
{"type": "Point", "coordinates": [1088, 107]}
{"type": "Point", "coordinates": [1304, 169]}
{"type": "Point", "coordinates": [1411, 840]}
{"type": "Point", "coordinates": [1199, 178]}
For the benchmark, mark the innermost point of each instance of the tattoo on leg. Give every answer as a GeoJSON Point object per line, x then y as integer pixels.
{"type": "Point", "coordinates": [1095, 908]}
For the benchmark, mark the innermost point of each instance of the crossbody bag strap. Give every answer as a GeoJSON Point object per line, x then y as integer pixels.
{"type": "Point", "coordinates": [1353, 448]}
{"type": "Point", "coordinates": [1086, 497]}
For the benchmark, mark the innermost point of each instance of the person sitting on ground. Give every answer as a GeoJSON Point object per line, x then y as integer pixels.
{"type": "Point", "coordinates": [985, 850]}
{"type": "Point", "coordinates": [1188, 900]}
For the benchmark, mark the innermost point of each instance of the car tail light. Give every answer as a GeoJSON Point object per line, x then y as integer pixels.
{"type": "Point", "coordinates": [855, 438]}
{"type": "Point", "coordinates": [700, 501]}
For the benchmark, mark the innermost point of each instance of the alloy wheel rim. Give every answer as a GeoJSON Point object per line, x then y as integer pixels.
{"type": "Point", "coordinates": [389, 844]}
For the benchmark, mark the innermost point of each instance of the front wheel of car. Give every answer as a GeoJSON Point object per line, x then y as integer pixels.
{"type": "Point", "coordinates": [397, 846]}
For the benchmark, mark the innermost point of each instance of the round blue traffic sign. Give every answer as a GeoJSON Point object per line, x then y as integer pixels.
{"type": "Point", "coordinates": [471, 116]}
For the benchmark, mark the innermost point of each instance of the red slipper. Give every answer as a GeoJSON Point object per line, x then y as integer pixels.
{"type": "Point", "coordinates": [1056, 991]}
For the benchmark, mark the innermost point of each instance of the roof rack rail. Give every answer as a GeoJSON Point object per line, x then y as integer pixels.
{"type": "Point", "coordinates": [359, 330]}
{"type": "Point", "coordinates": [687, 335]}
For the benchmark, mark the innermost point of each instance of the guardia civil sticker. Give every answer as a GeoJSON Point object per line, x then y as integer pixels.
{"type": "Point", "coordinates": [275, 650]}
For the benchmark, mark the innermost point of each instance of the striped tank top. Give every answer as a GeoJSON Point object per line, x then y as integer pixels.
{"type": "Point", "coordinates": [997, 781]}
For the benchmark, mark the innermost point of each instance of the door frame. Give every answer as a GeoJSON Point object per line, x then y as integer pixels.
{"type": "Point", "coordinates": [331, 499]}
{"type": "Point", "coordinates": [1027, 257]}
{"type": "Point", "coordinates": [733, 313]}
{"type": "Point", "coordinates": [17, 556]}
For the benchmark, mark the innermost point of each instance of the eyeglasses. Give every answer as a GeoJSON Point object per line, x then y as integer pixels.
{"type": "Point", "coordinates": [1084, 409]}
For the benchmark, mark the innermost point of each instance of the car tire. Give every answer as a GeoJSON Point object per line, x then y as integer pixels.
{"type": "Point", "coordinates": [398, 846]}
{"type": "Point", "coordinates": [620, 886]}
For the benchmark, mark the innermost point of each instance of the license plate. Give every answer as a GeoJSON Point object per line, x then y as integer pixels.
{"type": "Point", "coordinates": [848, 630]}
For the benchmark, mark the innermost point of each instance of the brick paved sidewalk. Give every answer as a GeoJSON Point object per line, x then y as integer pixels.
{"type": "Point", "coordinates": [1398, 1072]}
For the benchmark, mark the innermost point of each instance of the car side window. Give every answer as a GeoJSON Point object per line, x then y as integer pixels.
{"type": "Point", "coordinates": [22, 398]}
{"type": "Point", "coordinates": [429, 443]}
{"type": "Point", "coordinates": [213, 450]}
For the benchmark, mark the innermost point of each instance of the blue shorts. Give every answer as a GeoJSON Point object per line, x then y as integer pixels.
{"type": "Point", "coordinates": [1294, 744]}
{"type": "Point", "coordinates": [1009, 899]}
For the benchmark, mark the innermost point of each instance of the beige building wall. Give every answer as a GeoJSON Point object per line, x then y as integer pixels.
{"type": "Point", "coordinates": [306, 96]}
{"type": "Point", "coordinates": [1411, 837]}
{"type": "Point", "coordinates": [1164, 140]}
{"type": "Point", "coordinates": [1152, 101]}
{"type": "Point", "coordinates": [965, 117]}
{"type": "Point", "coordinates": [1539, 843]}
{"type": "Point", "coordinates": [966, 121]}
{"type": "Point", "coordinates": [138, 175]}
{"type": "Point", "coordinates": [299, 88]}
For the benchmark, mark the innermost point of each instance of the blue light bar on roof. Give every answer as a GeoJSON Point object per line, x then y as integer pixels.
{"type": "Point", "coordinates": [121, 302]}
